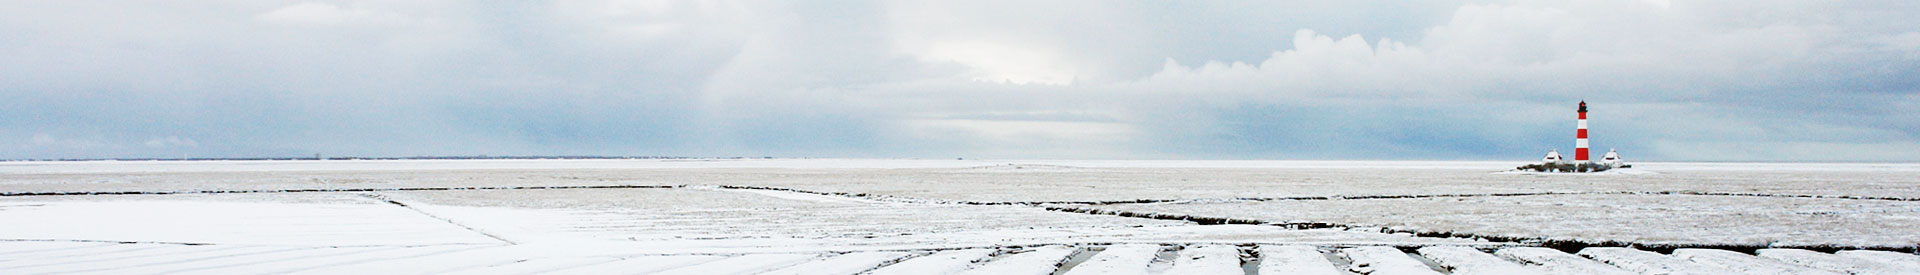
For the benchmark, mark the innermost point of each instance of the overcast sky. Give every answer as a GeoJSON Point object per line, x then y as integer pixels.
{"type": "Point", "coordinates": [1734, 80]}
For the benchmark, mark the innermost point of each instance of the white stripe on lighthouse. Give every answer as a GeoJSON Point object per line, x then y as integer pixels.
{"type": "Point", "coordinates": [1580, 142]}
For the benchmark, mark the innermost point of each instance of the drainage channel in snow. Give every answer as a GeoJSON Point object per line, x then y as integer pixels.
{"type": "Point", "coordinates": [1133, 258]}
{"type": "Point", "coordinates": [1125, 259]}
{"type": "Point", "coordinates": [1385, 260]}
{"type": "Point", "coordinates": [1470, 261]}
{"type": "Point", "coordinates": [1646, 262]}
{"type": "Point", "coordinates": [944, 262]}
{"type": "Point", "coordinates": [1038, 261]}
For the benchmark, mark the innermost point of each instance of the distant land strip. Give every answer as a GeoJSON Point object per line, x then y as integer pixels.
{"type": "Point", "coordinates": [97, 193]}
{"type": "Point", "coordinates": [379, 158]}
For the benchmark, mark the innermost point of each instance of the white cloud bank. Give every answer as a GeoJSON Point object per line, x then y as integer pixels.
{"type": "Point", "coordinates": [1676, 80]}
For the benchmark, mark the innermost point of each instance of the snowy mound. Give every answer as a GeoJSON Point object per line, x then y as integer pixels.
{"type": "Point", "coordinates": [1619, 171]}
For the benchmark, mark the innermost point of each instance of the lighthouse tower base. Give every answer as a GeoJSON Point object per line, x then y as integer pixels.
{"type": "Point", "coordinates": [1571, 167]}
{"type": "Point", "coordinates": [1553, 163]}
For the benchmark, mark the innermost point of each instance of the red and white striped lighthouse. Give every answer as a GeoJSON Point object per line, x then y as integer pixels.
{"type": "Point", "coordinates": [1580, 143]}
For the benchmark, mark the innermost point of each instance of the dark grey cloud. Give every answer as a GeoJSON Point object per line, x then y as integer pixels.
{"type": "Point", "coordinates": [1679, 80]}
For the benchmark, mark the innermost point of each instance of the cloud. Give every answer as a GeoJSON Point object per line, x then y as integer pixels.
{"type": "Point", "coordinates": [1501, 64]}
{"type": "Point", "coordinates": [323, 14]}
{"type": "Point", "coordinates": [46, 141]}
{"type": "Point", "coordinates": [1672, 80]}
{"type": "Point", "coordinates": [170, 141]}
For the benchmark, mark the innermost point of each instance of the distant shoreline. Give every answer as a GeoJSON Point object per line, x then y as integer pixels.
{"type": "Point", "coordinates": [383, 158]}
{"type": "Point", "coordinates": [901, 158]}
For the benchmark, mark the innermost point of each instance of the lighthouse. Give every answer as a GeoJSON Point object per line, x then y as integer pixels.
{"type": "Point", "coordinates": [1581, 161]}
{"type": "Point", "coordinates": [1580, 136]}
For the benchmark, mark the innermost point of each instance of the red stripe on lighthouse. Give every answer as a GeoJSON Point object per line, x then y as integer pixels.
{"type": "Point", "coordinates": [1580, 136]}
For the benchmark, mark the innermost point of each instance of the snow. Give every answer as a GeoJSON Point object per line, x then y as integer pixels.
{"type": "Point", "coordinates": [130, 260]}
{"type": "Point", "coordinates": [1470, 261]}
{"type": "Point", "coordinates": [186, 259]}
{"type": "Point", "coordinates": [1896, 259]}
{"type": "Point", "coordinates": [229, 223]}
{"type": "Point", "coordinates": [1649, 219]}
{"type": "Point", "coordinates": [1038, 261]}
{"type": "Point", "coordinates": [1018, 216]}
{"type": "Point", "coordinates": [680, 214]}
{"type": "Point", "coordinates": [535, 265]}
{"type": "Point", "coordinates": [1384, 260]}
{"type": "Point", "coordinates": [944, 262]}
{"type": "Point", "coordinates": [706, 220]}
{"type": "Point", "coordinates": [1295, 259]}
{"type": "Point", "coordinates": [215, 265]}
{"type": "Point", "coordinates": [435, 263]}
{"type": "Point", "coordinates": [1208, 259]}
{"type": "Point", "coordinates": [322, 261]}
{"type": "Point", "coordinates": [850, 263]}
{"type": "Point", "coordinates": [1609, 172]}
{"type": "Point", "coordinates": [1556, 262]}
{"type": "Point", "coordinates": [638, 265]}
{"type": "Point", "coordinates": [1645, 262]}
{"type": "Point", "coordinates": [741, 265]}
{"type": "Point", "coordinates": [1116, 259]}
{"type": "Point", "coordinates": [1833, 262]}
{"type": "Point", "coordinates": [92, 251]}
{"type": "Point", "coordinates": [950, 180]}
{"type": "Point", "coordinates": [1128, 259]}
{"type": "Point", "coordinates": [1742, 263]}
{"type": "Point", "coordinates": [805, 197]}
{"type": "Point", "coordinates": [31, 248]}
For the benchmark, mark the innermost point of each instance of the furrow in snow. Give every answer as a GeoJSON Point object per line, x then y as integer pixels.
{"type": "Point", "coordinates": [8, 249]}
{"type": "Point", "coordinates": [100, 251]}
{"type": "Point", "coordinates": [742, 264]}
{"type": "Point", "coordinates": [1128, 259]}
{"type": "Point", "coordinates": [945, 262]}
{"type": "Point", "coordinates": [129, 254]}
{"type": "Point", "coordinates": [1556, 262]}
{"type": "Point", "coordinates": [1645, 262]}
{"type": "Point", "coordinates": [278, 267]}
{"type": "Point", "coordinates": [531, 266]}
{"type": "Point", "coordinates": [844, 264]}
{"type": "Point", "coordinates": [250, 259]}
{"type": "Point", "coordinates": [1295, 259]}
{"type": "Point", "coordinates": [1040, 261]}
{"type": "Point", "coordinates": [1833, 262]}
{"type": "Point", "coordinates": [139, 262]}
{"type": "Point", "coordinates": [639, 265]}
{"type": "Point", "coordinates": [1741, 263]}
{"type": "Point", "coordinates": [1385, 260]}
{"type": "Point", "coordinates": [1470, 261]}
{"type": "Point", "coordinates": [1208, 259]}
{"type": "Point", "coordinates": [441, 262]}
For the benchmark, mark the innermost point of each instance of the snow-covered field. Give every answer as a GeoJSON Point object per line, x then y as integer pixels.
{"type": "Point", "coordinates": [1681, 220]}
{"type": "Point", "coordinates": [950, 216]}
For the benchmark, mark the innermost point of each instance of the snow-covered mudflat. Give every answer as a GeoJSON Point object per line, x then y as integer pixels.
{"type": "Point", "coordinates": [949, 216]}
{"type": "Point", "coordinates": [1596, 218]}
{"type": "Point", "coordinates": [974, 180]}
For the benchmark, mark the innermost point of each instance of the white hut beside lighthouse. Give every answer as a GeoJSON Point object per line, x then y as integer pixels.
{"type": "Point", "coordinates": [1553, 162]}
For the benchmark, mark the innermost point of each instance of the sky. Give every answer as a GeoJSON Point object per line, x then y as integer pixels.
{"type": "Point", "coordinates": [1671, 80]}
